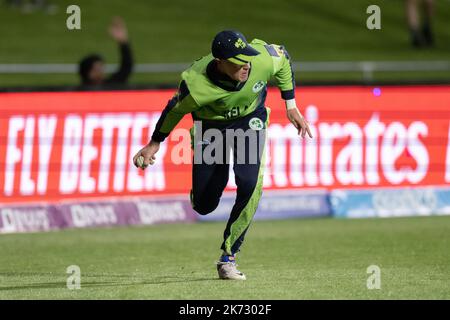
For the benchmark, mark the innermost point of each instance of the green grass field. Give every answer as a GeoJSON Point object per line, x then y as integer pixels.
{"type": "Point", "coordinates": [290, 259]}
{"type": "Point", "coordinates": [180, 31]}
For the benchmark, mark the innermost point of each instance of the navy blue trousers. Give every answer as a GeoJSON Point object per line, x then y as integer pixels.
{"type": "Point", "coordinates": [210, 179]}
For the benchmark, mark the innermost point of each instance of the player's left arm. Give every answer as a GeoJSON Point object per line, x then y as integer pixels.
{"type": "Point", "coordinates": [285, 80]}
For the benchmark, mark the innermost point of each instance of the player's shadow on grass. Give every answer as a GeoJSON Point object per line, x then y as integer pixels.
{"type": "Point", "coordinates": [127, 281]}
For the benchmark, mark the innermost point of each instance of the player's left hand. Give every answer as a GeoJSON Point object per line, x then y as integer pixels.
{"type": "Point", "coordinates": [299, 122]}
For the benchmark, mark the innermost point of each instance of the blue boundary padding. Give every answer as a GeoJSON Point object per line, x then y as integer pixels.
{"type": "Point", "coordinates": [390, 202]}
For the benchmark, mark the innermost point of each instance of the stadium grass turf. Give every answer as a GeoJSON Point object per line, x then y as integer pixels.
{"type": "Point", "coordinates": [290, 259]}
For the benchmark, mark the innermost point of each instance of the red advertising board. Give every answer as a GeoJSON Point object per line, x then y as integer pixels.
{"type": "Point", "coordinates": [80, 144]}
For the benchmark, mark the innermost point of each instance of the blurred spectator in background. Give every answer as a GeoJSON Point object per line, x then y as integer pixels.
{"type": "Point", "coordinates": [421, 34]}
{"type": "Point", "coordinates": [92, 67]}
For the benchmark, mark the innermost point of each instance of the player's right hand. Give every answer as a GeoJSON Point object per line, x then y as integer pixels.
{"type": "Point", "coordinates": [148, 152]}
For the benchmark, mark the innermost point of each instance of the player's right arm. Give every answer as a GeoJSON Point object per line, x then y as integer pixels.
{"type": "Point", "coordinates": [181, 104]}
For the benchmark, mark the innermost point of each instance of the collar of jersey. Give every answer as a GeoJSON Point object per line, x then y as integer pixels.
{"type": "Point", "coordinates": [223, 81]}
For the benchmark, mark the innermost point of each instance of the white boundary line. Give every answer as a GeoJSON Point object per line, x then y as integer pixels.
{"type": "Point", "coordinates": [320, 66]}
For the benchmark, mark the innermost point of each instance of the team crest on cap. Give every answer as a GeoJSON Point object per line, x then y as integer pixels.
{"type": "Point", "coordinates": [256, 124]}
{"type": "Point", "coordinates": [240, 43]}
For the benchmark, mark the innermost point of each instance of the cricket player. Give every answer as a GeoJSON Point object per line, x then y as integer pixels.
{"type": "Point", "coordinates": [226, 90]}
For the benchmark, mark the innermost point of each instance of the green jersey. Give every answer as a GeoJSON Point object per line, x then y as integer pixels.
{"type": "Point", "coordinates": [209, 95]}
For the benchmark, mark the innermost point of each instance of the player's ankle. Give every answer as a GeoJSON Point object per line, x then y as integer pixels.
{"type": "Point", "coordinates": [227, 258]}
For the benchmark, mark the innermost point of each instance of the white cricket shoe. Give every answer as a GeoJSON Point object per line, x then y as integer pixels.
{"type": "Point", "coordinates": [228, 271]}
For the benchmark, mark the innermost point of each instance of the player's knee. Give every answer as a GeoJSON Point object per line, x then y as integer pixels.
{"type": "Point", "coordinates": [205, 207]}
